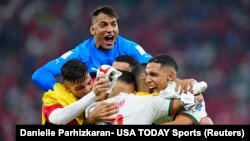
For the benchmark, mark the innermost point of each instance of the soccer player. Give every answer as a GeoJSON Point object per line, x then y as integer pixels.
{"type": "Point", "coordinates": [141, 87]}
{"type": "Point", "coordinates": [65, 104]}
{"type": "Point", "coordinates": [160, 71]}
{"type": "Point", "coordinates": [125, 62]}
{"type": "Point", "coordinates": [102, 48]}
{"type": "Point", "coordinates": [134, 109]}
{"type": "Point", "coordinates": [128, 63]}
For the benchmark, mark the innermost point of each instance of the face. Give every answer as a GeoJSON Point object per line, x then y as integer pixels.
{"type": "Point", "coordinates": [80, 89]}
{"type": "Point", "coordinates": [105, 30]}
{"type": "Point", "coordinates": [158, 77]}
{"type": "Point", "coordinates": [121, 66]}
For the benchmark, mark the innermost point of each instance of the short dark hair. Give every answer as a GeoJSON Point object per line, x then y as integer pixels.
{"type": "Point", "coordinates": [165, 60]}
{"type": "Point", "coordinates": [108, 10]}
{"type": "Point", "coordinates": [139, 69]}
{"type": "Point", "coordinates": [127, 59]}
{"type": "Point", "coordinates": [74, 70]}
{"type": "Point", "coordinates": [138, 72]}
{"type": "Point", "coordinates": [127, 77]}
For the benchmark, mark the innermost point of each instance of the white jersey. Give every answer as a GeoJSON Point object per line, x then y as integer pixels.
{"type": "Point", "coordinates": [134, 109]}
{"type": "Point", "coordinates": [197, 113]}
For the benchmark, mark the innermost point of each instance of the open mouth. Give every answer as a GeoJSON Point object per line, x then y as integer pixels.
{"type": "Point", "coordinates": [109, 39]}
{"type": "Point", "coordinates": [152, 89]}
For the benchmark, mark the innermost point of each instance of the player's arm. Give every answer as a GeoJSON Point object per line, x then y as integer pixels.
{"type": "Point", "coordinates": [191, 116]}
{"type": "Point", "coordinates": [187, 119]}
{"type": "Point", "coordinates": [62, 116]}
{"type": "Point", "coordinates": [44, 76]}
{"type": "Point", "coordinates": [181, 119]}
{"type": "Point", "coordinates": [101, 111]}
{"type": "Point", "coordinates": [167, 107]}
{"type": "Point", "coordinates": [206, 121]}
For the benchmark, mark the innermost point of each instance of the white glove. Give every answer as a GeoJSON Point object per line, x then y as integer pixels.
{"type": "Point", "coordinates": [111, 74]}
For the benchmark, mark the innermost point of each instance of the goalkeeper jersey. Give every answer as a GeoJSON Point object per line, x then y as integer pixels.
{"type": "Point", "coordinates": [91, 56]}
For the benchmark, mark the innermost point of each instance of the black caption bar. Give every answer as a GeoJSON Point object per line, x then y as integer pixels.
{"type": "Point", "coordinates": [239, 132]}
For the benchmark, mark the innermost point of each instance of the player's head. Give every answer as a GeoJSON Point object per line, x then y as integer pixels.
{"type": "Point", "coordinates": [160, 70]}
{"type": "Point", "coordinates": [104, 27]}
{"type": "Point", "coordinates": [125, 83]}
{"type": "Point", "coordinates": [125, 63]}
{"type": "Point", "coordinates": [76, 78]}
{"type": "Point", "coordinates": [140, 78]}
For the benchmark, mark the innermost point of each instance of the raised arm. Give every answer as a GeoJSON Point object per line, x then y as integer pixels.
{"type": "Point", "coordinates": [64, 115]}
{"type": "Point", "coordinates": [45, 76]}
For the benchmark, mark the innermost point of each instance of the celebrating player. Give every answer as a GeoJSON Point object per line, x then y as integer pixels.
{"type": "Point", "coordinates": [65, 104]}
{"type": "Point", "coordinates": [160, 71]}
{"type": "Point", "coordinates": [102, 48]}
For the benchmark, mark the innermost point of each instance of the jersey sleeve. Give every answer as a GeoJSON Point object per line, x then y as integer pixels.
{"type": "Point", "coordinates": [161, 106]}
{"type": "Point", "coordinates": [44, 76]}
{"type": "Point", "coordinates": [197, 114]}
{"type": "Point", "coordinates": [48, 109]}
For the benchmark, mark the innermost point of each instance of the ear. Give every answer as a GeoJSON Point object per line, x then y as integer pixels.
{"type": "Point", "coordinates": [92, 30]}
{"type": "Point", "coordinates": [67, 87]}
{"type": "Point", "coordinates": [171, 76]}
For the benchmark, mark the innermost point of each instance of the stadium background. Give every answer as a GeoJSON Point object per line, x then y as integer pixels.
{"type": "Point", "coordinates": [209, 39]}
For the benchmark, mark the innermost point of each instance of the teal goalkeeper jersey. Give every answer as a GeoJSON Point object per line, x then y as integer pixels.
{"type": "Point", "coordinates": [86, 51]}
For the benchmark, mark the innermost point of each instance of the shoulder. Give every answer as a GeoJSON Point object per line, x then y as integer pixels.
{"type": "Point", "coordinates": [123, 41]}
{"type": "Point", "coordinates": [85, 44]}
{"type": "Point", "coordinates": [83, 48]}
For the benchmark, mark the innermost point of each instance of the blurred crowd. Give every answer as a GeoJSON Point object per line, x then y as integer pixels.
{"type": "Point", "coordinates": [209, 39]}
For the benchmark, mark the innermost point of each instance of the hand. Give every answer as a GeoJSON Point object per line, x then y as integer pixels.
{"type": "Point", "coordinates": [102, 112]}
{"type": "Point", "coordinates": [101, 85]}
{"type": "Point", "coordinates": [184, 86]}
{"type": "Point", "coordinates": [198, 98]}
